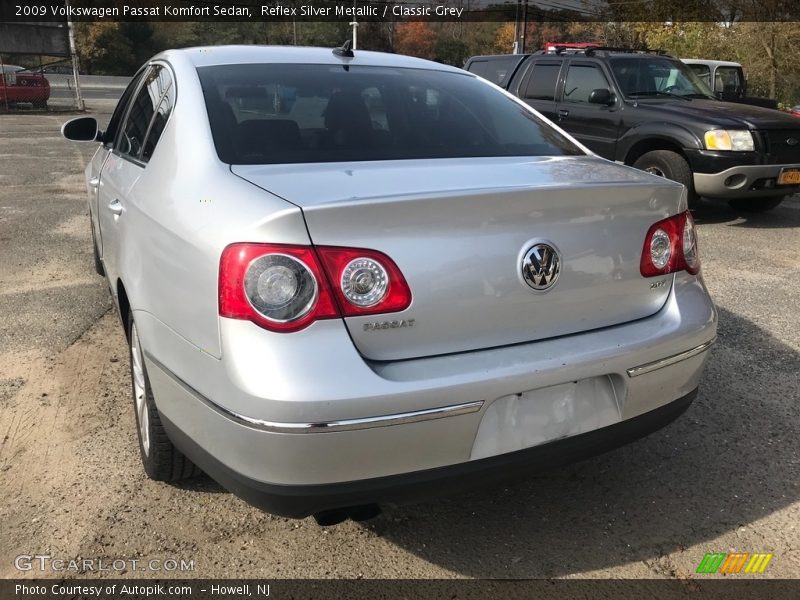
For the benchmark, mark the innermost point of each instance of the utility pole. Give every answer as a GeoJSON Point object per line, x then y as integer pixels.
{"type": "Point", "coordinates": [74, 54]}
{"type": "Point", "coordinates": [354, 25]}
{"type": "Point", "coordinates": [524, 26]}
{"type": "Point", "coordinates": [515, 46]}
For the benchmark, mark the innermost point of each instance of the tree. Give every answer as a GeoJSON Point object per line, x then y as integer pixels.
{"type": "Point", "coordinates": [451, 52]}
{"type": "Point", "coordinates": [415, 38]}
{"type": "Point", "coordinates": [504, 39]}
{"type": "Point", "coordinates": [103, 48]}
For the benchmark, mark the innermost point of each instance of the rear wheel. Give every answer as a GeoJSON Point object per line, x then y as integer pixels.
{"type": "Point", "coordinates": [162, 461]}
{"type": "Point", "coordinates": [669, 164]}
{"type": "Point", "coordinates": [756, 205]}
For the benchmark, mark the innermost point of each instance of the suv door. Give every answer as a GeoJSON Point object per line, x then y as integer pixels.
{"type": "Point", "coordinates": [597, 126]}
{"type": "Point", "coordinates": [538, 87]}
{"type": "Point", "coordinates": [145, 118]}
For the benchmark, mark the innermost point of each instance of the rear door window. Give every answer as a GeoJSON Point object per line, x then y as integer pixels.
{"type": "Point", "coordinates": [159, 121]}
{"type": "Point", "coordinates": [121, 108]}
{"type": "Point", "coordinates": [157, 81]}
{"type": "Point", "coordinates": [542, 82]}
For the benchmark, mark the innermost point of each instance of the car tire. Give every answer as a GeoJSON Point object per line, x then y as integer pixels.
{"type": "Point", "coordinates": [98, 264]}
{"type": "Point", "coordinates": [756, 205]}
{"type": "Point", "coordinates": [162, 461]}
{"type": "Point", "coordinates": [669, 164]}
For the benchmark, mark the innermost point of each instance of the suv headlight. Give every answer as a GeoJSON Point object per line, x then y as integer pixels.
{"type": "Point", "coordinates": [725, 139]}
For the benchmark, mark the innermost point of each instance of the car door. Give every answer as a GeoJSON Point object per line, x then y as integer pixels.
{"type": "Point", "coordinates": [95, 168]}
{"type": "Point", "coordinates": [538, 87]}
{"type": "Point", "coordinates": [594, 125]}
{"type": "Point", "coordinates": [134, 143]}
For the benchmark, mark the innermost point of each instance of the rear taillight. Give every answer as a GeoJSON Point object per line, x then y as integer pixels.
{"type": "Point", "coordinates": [283, 287]}
{"type": "Point", "coordinates": [279, 287]}
{"type": "Point", "coordinates": [365, 282]}
{"type": "Point", "coordinates": [670, 246]}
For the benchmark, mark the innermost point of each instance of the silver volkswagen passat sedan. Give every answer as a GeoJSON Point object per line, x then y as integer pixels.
{"type": "Point", "coordinates": [351, 279]}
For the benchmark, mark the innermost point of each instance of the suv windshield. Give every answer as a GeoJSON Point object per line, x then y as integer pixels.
{"type": "Point", "coordinates": [657, 76]}
{"type": "Point", "coordinates": [288, 113]}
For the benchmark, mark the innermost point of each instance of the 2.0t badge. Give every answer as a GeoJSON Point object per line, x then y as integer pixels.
{"type": "Point", "coordinates": [541, 267]}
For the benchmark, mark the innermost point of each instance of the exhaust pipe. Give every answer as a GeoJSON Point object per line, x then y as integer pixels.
{"type": "Point", "coordinates": [328, 518]}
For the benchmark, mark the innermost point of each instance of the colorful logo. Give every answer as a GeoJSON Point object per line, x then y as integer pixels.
{"type": "Point", "coordinates": [738, 562]}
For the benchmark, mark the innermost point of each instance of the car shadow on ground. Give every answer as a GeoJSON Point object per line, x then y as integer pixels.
{"type": "Point", "coordinates": [730, 460]}
{"type": "Point", "coordinates": [711, 212]}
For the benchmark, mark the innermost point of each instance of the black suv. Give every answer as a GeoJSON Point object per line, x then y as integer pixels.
{"type": "Point", "coordinates": [649, 110]}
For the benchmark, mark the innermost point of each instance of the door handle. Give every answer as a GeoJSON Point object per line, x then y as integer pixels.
{"type": "Point", "coordinates": [116, 207]}
{"type": "Point", "coordinates": [94, 182]}
{"type": "Point", "coordinates": [563, 113]}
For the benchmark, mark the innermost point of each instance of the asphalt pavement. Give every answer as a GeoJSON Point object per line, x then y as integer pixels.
{"type": "Point", "coordinates": [725, 477]}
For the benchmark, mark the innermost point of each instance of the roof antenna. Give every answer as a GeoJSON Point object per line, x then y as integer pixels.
{"type": "Point", "coordinates": [345, 50]}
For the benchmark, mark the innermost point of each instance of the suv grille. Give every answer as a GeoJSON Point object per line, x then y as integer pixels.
{"type": "Point", "coordinates": [780, 148]}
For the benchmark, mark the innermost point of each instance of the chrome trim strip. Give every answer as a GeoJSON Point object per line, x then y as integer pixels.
{"type": "Point", "coordinates": [416, 416]}
{"type": "Point", "coordinates": [670, 360]}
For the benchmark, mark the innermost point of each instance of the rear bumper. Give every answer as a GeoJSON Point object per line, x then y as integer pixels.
{"type": "Point", "coordinates": [300, 501]}
{"type": "Point", "coordinates": [326, 423]}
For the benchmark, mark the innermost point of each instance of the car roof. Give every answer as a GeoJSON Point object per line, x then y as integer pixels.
{"type": "Point", "coordinates": [205, 56]}
{"type": "Point", "coordinates": [601, 53]}
{"type": "Point", "coordinates": [710, 63]}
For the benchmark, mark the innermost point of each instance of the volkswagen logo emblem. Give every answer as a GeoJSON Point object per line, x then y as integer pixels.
{"type": "Point", "coordinates": [791, 141]}
{"type": "Point", "coordinates": [541, 267]}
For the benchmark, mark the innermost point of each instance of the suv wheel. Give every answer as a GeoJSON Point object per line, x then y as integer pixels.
{"type": "Point", "coordinates": [161, 460]}
{"type": "Point", "coordinates": [756, 205]}
{"type": "Point", "coordinates": [671, 165]}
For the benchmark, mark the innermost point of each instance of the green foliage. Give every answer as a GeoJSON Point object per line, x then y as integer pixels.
{"type": "Point", "coordinates": [452, 52]}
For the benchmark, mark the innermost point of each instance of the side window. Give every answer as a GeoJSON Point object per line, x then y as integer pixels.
{"type": "Point", "coordinates": [581, 80]}
{"type": "Point", "coordinates": [495, 70]}
{"type": "Point", "coordinates": [703, 72]}
{"type": "Point", "coordinates": [159, 120]}
{"type": "Point", "coordinates": [728, 80]}
{"type": "Point", "coordinates": [142, 110]}
{"type": "Point", "coordinates": [542, 82]}
{"type": "Point", "coordinates": [119, 112]}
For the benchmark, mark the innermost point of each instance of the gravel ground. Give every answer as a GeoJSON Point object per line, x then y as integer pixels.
{"type": "Point", "coordinates": [722, 478]}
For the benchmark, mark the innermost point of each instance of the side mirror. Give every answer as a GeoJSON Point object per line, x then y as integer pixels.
{"type": "Point", "coordinates": [602, 96]}
{"type": "Point", "coordinates": [82, 129]}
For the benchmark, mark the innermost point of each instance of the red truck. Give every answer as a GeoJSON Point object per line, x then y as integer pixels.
{"type": "Point", "coordinates": [20, 86]}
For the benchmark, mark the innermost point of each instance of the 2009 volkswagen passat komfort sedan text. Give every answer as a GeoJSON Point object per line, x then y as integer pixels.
{"type": "Point", "coordinates": [354, 280]}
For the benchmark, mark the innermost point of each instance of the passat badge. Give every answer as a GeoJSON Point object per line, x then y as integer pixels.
{"type": "Point", "coordinates": [400, 323]}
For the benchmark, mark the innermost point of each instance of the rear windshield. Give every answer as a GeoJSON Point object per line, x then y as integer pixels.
{"type": "Point", "coordinates": [268, 114]}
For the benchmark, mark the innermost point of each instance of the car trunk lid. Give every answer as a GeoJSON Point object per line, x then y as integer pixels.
{"type": "Point", "coordinates": [458, 229]}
